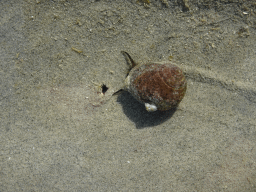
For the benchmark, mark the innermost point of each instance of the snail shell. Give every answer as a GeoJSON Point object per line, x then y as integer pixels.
{"type": "Point", "coordinates": [159, 86]}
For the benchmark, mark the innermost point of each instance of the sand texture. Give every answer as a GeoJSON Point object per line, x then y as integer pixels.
{"type": "Point", "coordinates": [59, 132]}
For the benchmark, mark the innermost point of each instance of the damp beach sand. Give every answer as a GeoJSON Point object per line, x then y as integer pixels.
{"type": "Point", "coordinates": [62, 129]}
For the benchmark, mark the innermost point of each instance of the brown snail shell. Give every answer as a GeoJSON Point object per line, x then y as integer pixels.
{"type": "Point", "coordinates": [160, 86]}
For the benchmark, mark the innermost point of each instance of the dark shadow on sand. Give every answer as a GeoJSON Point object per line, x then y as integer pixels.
{"type": "Point", "coordinates": [138, 114]}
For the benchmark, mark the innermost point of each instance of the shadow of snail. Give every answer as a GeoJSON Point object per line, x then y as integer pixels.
{"type": "Point", "coordinates": [160, 87]}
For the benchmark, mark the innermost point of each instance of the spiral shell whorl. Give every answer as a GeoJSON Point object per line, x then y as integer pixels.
{"type": "Point", "coordinates": [163, 85]}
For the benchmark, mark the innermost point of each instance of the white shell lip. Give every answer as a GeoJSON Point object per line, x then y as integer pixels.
{"type": "Point", "coordinates": [127, 83]}
{"type": "Point", "coordinates": [150, 107]}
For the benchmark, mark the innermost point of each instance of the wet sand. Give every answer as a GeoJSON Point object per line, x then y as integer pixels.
{"type": "Point", "coordinates": [59, 132]}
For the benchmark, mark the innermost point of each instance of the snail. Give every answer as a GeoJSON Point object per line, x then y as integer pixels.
{"type": "Point", "coordinates": [159, 86]}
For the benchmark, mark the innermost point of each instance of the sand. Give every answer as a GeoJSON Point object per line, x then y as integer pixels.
{"type": "Point", "coordinates": [59, 132]}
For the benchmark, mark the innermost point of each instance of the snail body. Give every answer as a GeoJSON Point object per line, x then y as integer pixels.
{"type": "Point", "coordinates": [159, 86]}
